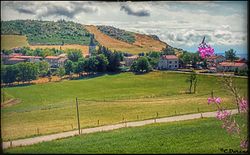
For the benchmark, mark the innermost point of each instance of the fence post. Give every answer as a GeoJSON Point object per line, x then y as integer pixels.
{"type": "Point", "coordinates": [10, 143]}
{"type": "Point", "coordinates": [98, 122]}
{"type": "Point", "coordinates": [72, 126]}
{"type": "Point", "coordinates": [175, 112]}
{"type": "Point", "coordinates": [201, 115]}
{"type": "Point", "coordinates": [78, 121]}
{"type": "Point", "coordinates": [37, 131]}
{"type": "Point", "coordinates": [137, 117]}
{"type": "Point", "coordinates": [198, 110]}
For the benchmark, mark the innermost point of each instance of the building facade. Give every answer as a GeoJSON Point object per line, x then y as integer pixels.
{"type": "Point", "coordinates": [170, 62]}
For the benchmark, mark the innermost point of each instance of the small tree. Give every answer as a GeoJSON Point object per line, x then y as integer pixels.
{"type": "Point", "coordinates": [230, 55]}
{"type": "Point", "coordinates": [68, 67]}
{"type": "Point", "coordinates": [61, 72]}
{"type": "Point", "coordinates": [192, 79]}
{"type": "Point", "coordinates": [141, 65]}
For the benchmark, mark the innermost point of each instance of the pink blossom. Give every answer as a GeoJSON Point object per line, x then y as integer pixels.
{"type": "Point", "coordinates": [209, 100]}
{"type": "Point", "coordinates": [243, 105]}
{"type": "Point", "coordinates": [218, 100]}
{"type": "Point", "coordinates": [244, 144]}
{"type": "Point", "coordinates": [205, 50]}
{"type": "Point", "coordinates": [222, 114]}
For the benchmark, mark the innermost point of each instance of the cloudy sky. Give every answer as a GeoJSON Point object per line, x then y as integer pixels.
{"type": "Point", "coordinates": [180, 24]}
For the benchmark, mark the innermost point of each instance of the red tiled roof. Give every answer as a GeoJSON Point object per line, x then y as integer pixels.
{"type": "Point", "coordinates": [133, 56]}
{"type": "Point", "coordinates": [215, 57]}
{"type": "Point", "coordinates": [52, 57]}
{"type": "Point", "coordinates": [232, 64]}
{"type": "Point", "coordinates": [27, 57]}
{"type": "Point", "coordinates": [18, 59]}
{"type": "Point", "coordinates": [169, 57]}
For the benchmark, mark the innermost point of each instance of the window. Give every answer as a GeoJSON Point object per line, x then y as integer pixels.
{"type": "Point", "coordinates": [175, 65]}
{"type": "Point", "coordinates": [170, 62]}
{"type": "Point", "coordinates": [176, 62]}
{"type": "Point", "coordinates": [169, 66]}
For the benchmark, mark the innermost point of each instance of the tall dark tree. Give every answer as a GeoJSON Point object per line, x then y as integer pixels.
{"type": "Point", "coordinates": [230, 55]}
{"type": "Point", "coordinates": [102, 63]}
{"type": "Point", "coordinates": [141, 65]}
{"type": "Point", "coordinates": [74, 55]}
{"type": "Point", "coordinates": [9, 73]}
{"type": "Point", "coordinates": [68, 67]}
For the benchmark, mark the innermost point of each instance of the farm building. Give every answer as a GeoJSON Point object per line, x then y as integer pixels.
{"type": "Point", "coordinates": [18, 57]}
{"type": "Point", "coordinates": [168, 62]}
{"type": "Point", "coordinates": [55, 61]}
{"type": "Point", "coordinates": [128, 61]}
{"type": "Point", "coordinates": [216, 59]}
{"type": "Point", "coordinates": [231, 66]}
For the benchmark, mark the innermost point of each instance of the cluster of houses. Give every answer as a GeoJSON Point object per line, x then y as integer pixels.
{"type": "Point", "coordinates": [14, 58]}
{"type": "Point", "coordinates": [216, 63]}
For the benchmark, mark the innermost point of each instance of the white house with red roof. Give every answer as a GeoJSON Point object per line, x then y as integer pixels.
{"type": "Point", "coordinates": [170, 62]}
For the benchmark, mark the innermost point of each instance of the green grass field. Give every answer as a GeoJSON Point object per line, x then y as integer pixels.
{"type": "Point", "coordinates": [192, 136]}
{"type": "Point", "coordinates": [50, 107]}
{"type": "Point", "coordinates": [11, 41]}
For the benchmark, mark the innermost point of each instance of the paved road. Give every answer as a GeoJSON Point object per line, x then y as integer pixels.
{"type": "Point", "coordinates": [34, 140]}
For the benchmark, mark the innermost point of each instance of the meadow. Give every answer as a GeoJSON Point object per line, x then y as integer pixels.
{"type": "Point", "coordinates": [109, 98]}
{"type": "Point", "coordinates": [192, 136]}
{"type": "Point", "coordinates": [11, 41]}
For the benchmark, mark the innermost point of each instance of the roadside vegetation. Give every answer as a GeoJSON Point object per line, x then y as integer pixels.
{"type": "Point", "coordinates": [192, 136]}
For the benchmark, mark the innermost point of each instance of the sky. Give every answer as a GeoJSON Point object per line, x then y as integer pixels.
{"type": "Point", "coordinates": [181, 24]}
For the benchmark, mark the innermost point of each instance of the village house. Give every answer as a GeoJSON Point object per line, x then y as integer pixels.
{"type": "Point", "coordinates": [170, 62]}
{"type": "Point", "coordinates": [128, 61]}
{"type": "Point", "coordinates": [231, 66]}
{"type": "Point", "coordinates": [214, 60]}
{"type": "Point", "coordinates": [56, 61]}
{"type": "Point", "coordinates": [18, 57]}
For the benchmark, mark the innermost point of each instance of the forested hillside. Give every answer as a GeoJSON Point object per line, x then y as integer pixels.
{"type": "Point", "coordinates": [47, 32]}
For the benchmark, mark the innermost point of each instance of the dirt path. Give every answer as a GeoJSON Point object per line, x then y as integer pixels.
{"type": "Point", "coordinates": [34, 140]}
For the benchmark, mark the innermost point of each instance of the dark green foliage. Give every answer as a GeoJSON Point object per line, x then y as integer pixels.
{"type": "Point", "coordinates": [241, 72]}
{"type": "Point", "coordinates": [153, 58]}
{"type": "Point", "coordinates": [9, 73]}
{"type": "Point", "coordinates": [43, 68]}
{"type": "Point", "coordinates": [102, 63]}
{"type": "Point", "coordinates": [79, 67]}
{"type": "Point", "coordinates": [68, 67]}
{"type": "Point", "coordinates": [47, 32]}
{"type": "Point", "coordinates": [141, 65]}
{"type": "Point", "coordinates": [230, 55]}
{"type": "Point", "coordinates": [27, 71]}
{"type": "Point", "coordinates": [61, 72]}
{"type": "Point", "coordinates": [168, 51]}
{"type": "Point", "coordinates": [189, 58]}
{"type": "Point", "coordinates": [119, 34]}
{"type": "Point", "coordinates": [90, 65]}
{"type": "Point", "coordinates": [74, 54]}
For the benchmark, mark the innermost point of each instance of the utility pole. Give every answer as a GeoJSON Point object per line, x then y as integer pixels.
{"type": "Point", "coordinates": [78, 120]}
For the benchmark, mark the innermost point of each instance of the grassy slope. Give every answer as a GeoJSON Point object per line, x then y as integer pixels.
{"type": "Point", "coordinates": [12, 41]}
{"type": "Point", "coordinates": [143, 43]}
{"type": "Point", "coordinates": [193, 136]}
{"type": "Point", "coordinates": [51, 107]}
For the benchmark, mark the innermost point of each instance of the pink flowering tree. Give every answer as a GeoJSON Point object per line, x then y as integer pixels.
{"type": "Point", "coordinates": [205, 50]}
{"type": "Point", "coordinates": [228, 120]}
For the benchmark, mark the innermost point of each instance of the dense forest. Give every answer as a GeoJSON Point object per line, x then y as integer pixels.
{"type": "Point", "coordinates": [47, 32]}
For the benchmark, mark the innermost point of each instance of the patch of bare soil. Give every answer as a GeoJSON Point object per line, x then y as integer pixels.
{"type": "Point", "coordinates": [10, 102]}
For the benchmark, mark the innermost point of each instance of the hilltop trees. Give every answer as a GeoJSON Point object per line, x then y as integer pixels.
{"type": "Point", "coordinates": [230, 55]}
